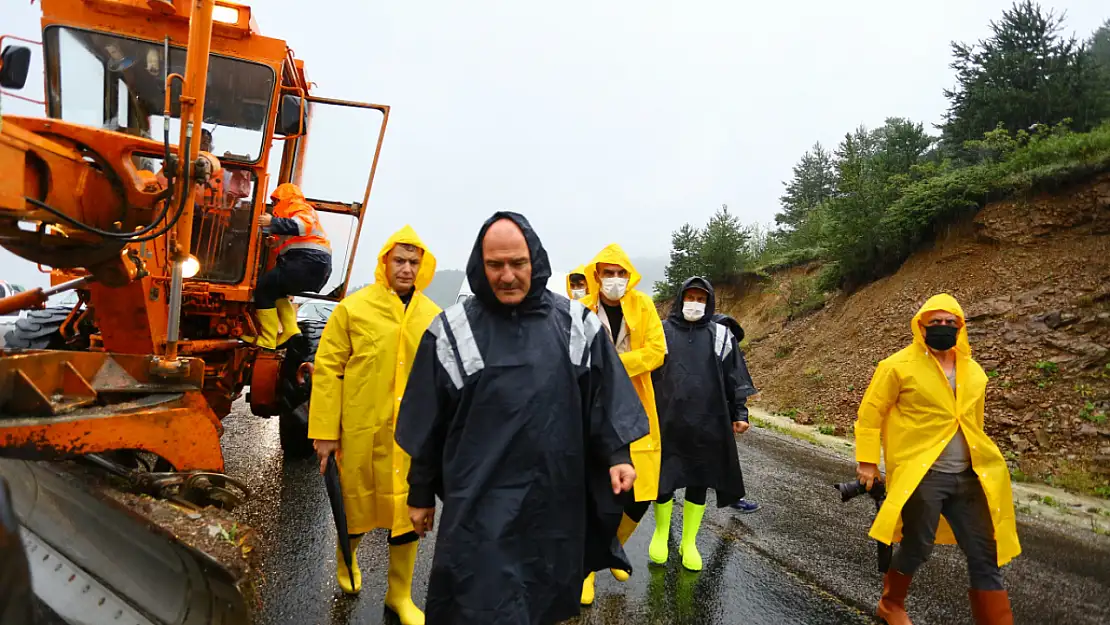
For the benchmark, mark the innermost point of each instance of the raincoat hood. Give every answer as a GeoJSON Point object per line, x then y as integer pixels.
{"type": "Point", "coordinates": [946, 303]}
{"type": "Point", "coordinates": [541, 267]}
{"type": "Point", "coordinates": [406, 236]}
{"type": "Point", "coordinates": [695, 282]}
{"type": "Point", "coordinates": [613, 254]}
{"type": "Point", "coordinates": [731, 324]}
{"type": "Point", "coordinates": [580, 269]}
{"type": "Point", "coordinates": [287, 192]}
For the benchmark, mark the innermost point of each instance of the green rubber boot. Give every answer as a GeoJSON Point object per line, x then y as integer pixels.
{"type": "Point", "coordinates": [688, 548]}
{"type": "Point", "coordinates": [659, 546]}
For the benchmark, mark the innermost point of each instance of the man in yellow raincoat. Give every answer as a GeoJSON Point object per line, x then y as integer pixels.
{"type": "Point", "coordinates": [924, 410]}
{"type": "Point", "coordinates": [577, 286]}
{"type": "Point", "coordinates": [630, 319]}
{"type": "Point", "coordinates": [361, 368]}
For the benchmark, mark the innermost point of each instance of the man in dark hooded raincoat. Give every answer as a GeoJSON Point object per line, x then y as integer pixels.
{"type": "Point", "coordinates": [518, 414]}
{"type": "Point", "coordinates": [745, 505]}
{"type": "Point", "coordinates": [700, 391]}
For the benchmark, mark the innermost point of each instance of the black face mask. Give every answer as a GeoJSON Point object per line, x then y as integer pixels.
{"type": "Point", "coordinates": [941, 338]}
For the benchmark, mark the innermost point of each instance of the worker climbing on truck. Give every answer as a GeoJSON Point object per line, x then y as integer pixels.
{"type": "Point", "coordinates": [362, 366]}
{"type": "Point", "coordinates": [303, 265]}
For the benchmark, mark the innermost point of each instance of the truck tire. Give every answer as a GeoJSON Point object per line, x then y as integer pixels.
{"type": "Point", "coordinates": [293, 401]}
{"type": "Point", "coordinates": [39, 329]}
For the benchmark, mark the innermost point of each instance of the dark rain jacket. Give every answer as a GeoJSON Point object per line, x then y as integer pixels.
{"type": "Point", "coordinates": [700, 390]}
{"type": "Point", "coordinates": [513, 416]}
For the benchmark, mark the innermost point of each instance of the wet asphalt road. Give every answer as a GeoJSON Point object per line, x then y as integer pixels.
{"type": "Point", "coordinates": [803, 559]}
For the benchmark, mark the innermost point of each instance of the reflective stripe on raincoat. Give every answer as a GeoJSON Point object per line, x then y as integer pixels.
{"type": "Point", "coordinates": [701, 390]}
{"type": "Point", "coordinates": [513, 416]}
{"type": "Point", "coordinates": [297, 222]}
{"type": "Point", "coordinates": [648, 346]}
{"type": "Point", "coordinates": [362, 366]}
{"type": "Point", "coordinates": [910, 413]}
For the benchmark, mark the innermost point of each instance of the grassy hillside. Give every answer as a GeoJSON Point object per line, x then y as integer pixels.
{"type": "Point", "coordinates": [1033, 275]}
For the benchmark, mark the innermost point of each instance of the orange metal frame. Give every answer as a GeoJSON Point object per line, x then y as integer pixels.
{"type": "Point", "coordinates": [86, 402]}
{"type": "Point", "coordinates": [61, 400]}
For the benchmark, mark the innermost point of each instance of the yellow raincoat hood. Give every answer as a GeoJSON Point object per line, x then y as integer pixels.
{"type": "Point", "coordinates": [647, 346]}
{"type": "Point", "coordinates": [945, 303]}
{"type": "Point", "coordinates": [613, 254]}
{"type": "Point", "coordinates": [406, 236]}
{"type": "Point", "coordinates": [908, 416]}
{"type": "Point", "coordinates": [362, 366]}
{"type": "Point", "coordinates": [579, 269]}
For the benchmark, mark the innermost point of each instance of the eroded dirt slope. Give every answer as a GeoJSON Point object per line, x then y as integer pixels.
{"type": "Point", "coordinates": [1034, 278]}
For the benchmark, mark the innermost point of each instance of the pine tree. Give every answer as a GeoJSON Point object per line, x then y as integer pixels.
{"type": "Point", "coordinates": [685, 260]}
{"type": "Point", "coordinates": [1023, 74]}
{"type": "Point", "coordinates": [814, 182]}
{"type": "Point", "coordinates": [722, 247]}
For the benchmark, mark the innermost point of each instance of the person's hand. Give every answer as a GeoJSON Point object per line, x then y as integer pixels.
{"type": "Point", "coordinates": [323, 450]}
{"type": "Point", "coordinates": [264, 219]}
{"type": "Point", "coordinates": [868, 474]}
{"type": "Point", "coordinates": [423, 520]}
{"type": "Point", "coordinates": [621, 477]}
{"type": "Point", "coordinates": [739, 427]}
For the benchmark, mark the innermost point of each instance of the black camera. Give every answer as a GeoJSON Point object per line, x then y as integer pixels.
{"type": "Point", "coordinates": [855, 488]}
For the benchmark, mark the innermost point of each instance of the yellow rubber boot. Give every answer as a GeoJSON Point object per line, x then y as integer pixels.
{"type": "Point", "coordinates": [398, 594]}
{"type": "Point", "coordinates": [288, 317]}
{"type": "Point", "coordinates": [659, 548]}
{"type": "Point", "coordinates": [688, 548]}
{"type": "Point", "coordinates": [268, 329]}
{"type": "Point", "coordinates": [588, 590]}
{"type": "Point", "coordinates": [625, 530]}
{"type": "Point", "coordinates": [341, 573]}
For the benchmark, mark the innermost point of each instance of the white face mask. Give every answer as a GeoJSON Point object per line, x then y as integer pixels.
{"type": "Point", "coordinates": [577, 293]}
{"type": "Point", "coordinates": [693, 311]}
{"type": "Point", "coordinates": [614, 288]}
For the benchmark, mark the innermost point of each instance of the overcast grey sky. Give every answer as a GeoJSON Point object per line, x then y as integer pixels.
{"type": "Point", "coordinates": [612, 121]}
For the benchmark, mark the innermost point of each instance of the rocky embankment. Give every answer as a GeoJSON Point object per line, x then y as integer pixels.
{"type": "Point", "coordinates": [1033, 275]}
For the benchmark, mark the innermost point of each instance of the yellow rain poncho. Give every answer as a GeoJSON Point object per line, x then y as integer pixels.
{"type": "Point", "coordinates": [910, 413]}
{"type": "Point", "coordinates": [579, 269]}
{"type": "Point", "coordinates": [647, 347]}
{"type": "Point", "coordinates": [362, 366]}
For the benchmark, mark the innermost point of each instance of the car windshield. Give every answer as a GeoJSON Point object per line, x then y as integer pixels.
{"type": "Point", "coordinates": [117, 83]}
{"type": "Point", "coordinates": [315, 310]}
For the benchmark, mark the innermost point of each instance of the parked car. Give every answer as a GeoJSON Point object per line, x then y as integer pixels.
{"type": "Point", "coordinates": [314, 310]}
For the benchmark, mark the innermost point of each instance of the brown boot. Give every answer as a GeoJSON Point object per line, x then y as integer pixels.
{"type": "Point", "coordinates": [990, 607]}
{"type": "Point", "coordinates": [892, 606]}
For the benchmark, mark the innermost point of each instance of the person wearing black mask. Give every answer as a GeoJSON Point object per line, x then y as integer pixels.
{"type": "Point", "coordinates": [948, 482]}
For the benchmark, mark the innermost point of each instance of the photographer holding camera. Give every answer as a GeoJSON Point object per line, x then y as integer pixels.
{"type": "Point", "coordinates": [924, 411]}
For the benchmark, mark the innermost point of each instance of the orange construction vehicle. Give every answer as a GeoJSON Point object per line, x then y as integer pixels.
{"type": "Point", "coordinates": [123, 393]}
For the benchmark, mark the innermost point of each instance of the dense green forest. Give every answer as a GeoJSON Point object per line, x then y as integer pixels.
{"type": "Point", "coordinates": [1030, 112]}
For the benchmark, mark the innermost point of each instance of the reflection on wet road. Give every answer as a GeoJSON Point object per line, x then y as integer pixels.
{"type": "Point", "coordinates": [804, 559]}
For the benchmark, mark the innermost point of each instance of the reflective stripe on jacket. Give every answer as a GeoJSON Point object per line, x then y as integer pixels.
{"type": "Point", "coordinates": [291, 205]}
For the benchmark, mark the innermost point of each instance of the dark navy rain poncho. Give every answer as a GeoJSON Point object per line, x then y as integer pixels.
{"type": "Point", "coordinates": [700, 390]}
{"type": "Point", "coordinates": [513, 416]}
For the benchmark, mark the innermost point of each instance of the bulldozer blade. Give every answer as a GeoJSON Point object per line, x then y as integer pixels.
{"type": "Point", "coordinates": [101, 555]}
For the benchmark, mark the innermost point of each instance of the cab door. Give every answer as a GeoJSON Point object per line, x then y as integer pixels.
{"type": "Point", "coordinates": [334, 164]}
